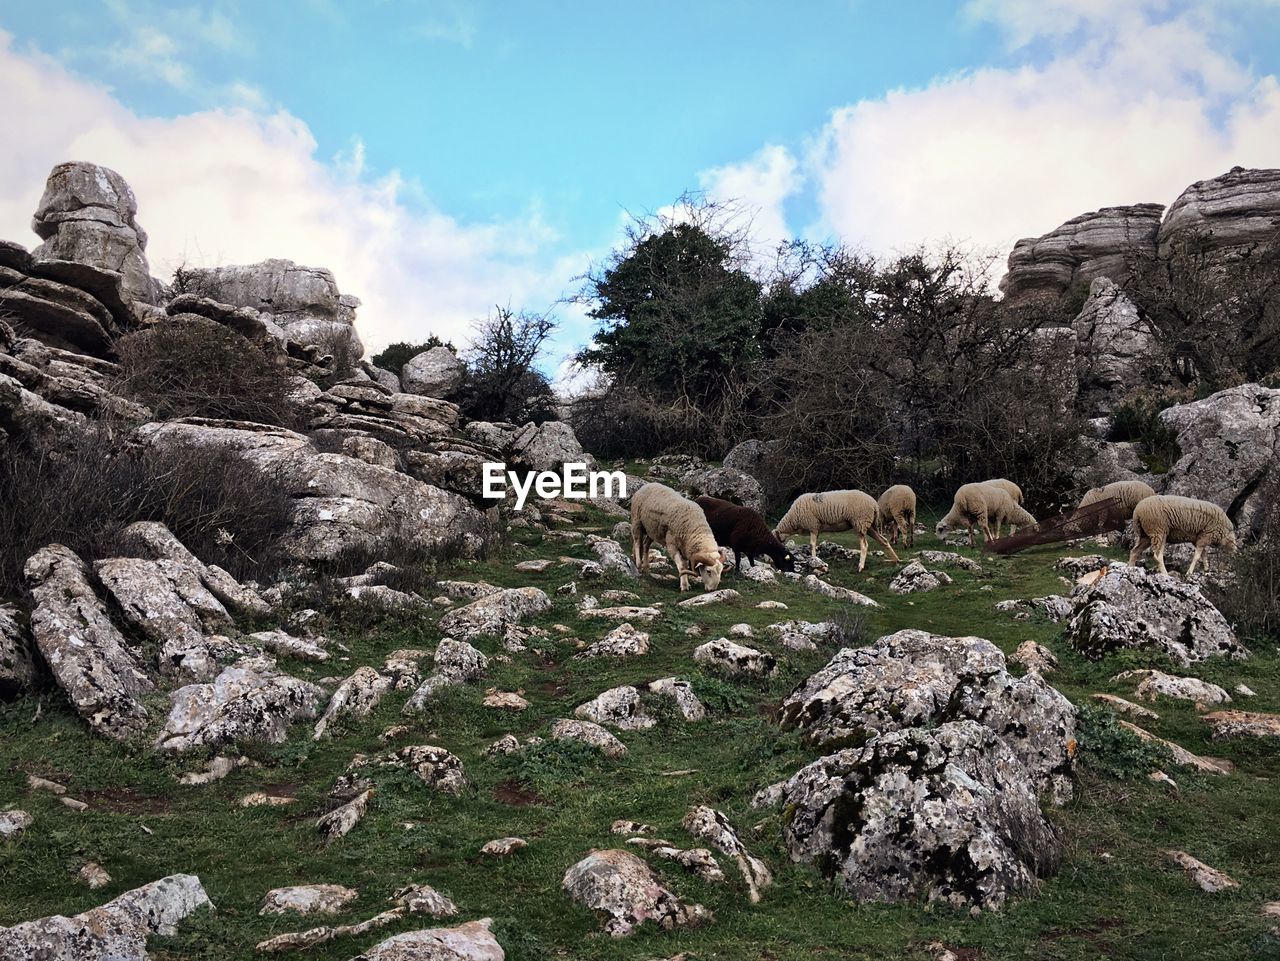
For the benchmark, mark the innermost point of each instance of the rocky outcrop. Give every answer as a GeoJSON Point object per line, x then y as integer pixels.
{"type": "Point", "coordinates": [308, 899]}
{"type": "Point", "coordinates": [87, 655]}
{"type": "Point", "coordinates": [1131, 608]}
{"type": "Point", "coordinates": [17, 661]}
{"type": "Point", "coordinates": [464, 942]}
{"type": "Point", "coordinates": [1097, 244]}
{"type": "Point", "coordinates": [622, 887]}
{"type": "Point", "coordinates": [116, 931]}
{"type": "Point", "coordinates": [1227, 214]}
{"type": "Point", "coordinates": [1228, 445]}
{"type": "Point", "coordinates": [726, 483]}
{"type": "Point", "coordinates": [492, 614]}
{"type": "Point", "coordinates": [155, 541]}
{"type": "Point", "coordinates": [433, 373]}
{"type": "Point", "coordinates": [1116, 349]}
{"type": "Point", "coordinates": [945, 814]}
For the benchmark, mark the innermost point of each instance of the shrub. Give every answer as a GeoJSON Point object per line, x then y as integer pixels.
{"type": "Point", "coordinates": [199, 368]}
{"type": "Point", "coordinates": [1112, 749]}
{"type": "Point", "coordinates": [1137, 419]}
{"type": "Point", "coordinates": [83, 493]}
{"type": "Point", "coordinates": [396, 355]}
{"type": "Point", "coordinates": [1251, 598]}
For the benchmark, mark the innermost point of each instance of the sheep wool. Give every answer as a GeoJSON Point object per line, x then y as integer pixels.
{"type": "Point", "coordinates": [982, 505]}
{"type": "Point", "coordinates": [1128, 493]}
{"type": "Point", "coordinates": [1167, 519]}
{"type": "Point", "coordinates": [1008, 486]}
{"type": "Point", "coordinates": [661, 516]}
{"type": "Point", "coordinates": [745, 531]}
{"type": "Point", "coordinates": [897, 514]}
{"type": "Point", "coordinates": [831, 511]}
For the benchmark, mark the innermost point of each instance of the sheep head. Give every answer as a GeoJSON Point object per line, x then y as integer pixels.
{"type": "Point", "coordinates": [707, 566]}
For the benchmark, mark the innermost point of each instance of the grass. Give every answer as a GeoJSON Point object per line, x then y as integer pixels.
{"type": "Point", "coordinates": [1116, 895]}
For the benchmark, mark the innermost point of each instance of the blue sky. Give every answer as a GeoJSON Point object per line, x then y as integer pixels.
{"type": "Point", "coordinates": [450, 154]}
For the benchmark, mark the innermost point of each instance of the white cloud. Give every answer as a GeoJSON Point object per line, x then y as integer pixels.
{"type": "Point", "coordinates": [1134, 101]}
{"type": "Point", "coordinates": [762, 183]}
{"type": "Point", "coordinates": [237, 185]}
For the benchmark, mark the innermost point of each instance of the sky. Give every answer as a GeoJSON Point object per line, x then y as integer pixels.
{"type": "Point", "coordinates": [445, 156]}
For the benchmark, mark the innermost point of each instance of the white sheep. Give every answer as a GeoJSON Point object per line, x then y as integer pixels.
{"type": "Point", "coordinates": [660, 515]}
{"type": "Point", "coordinates": [1008, 486]}
{"type": "Point", "coordinates": [845, 510]}
{"type": "Point", "coordinates": [897, 514]}
{"type": "Point", "coordinates": [1166, 519]}
{"type": "Point", "coordinates": [1128, 493]}
{"type": "Point", "coordinates": [980, 505]}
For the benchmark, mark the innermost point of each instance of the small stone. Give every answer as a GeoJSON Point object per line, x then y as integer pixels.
{"type": "Point", "coordinates": [1121, 706]}
{"type": "Point", "coordinates": [1035, 657]}
{"type": "Point", "coordinates": [507, 744]}
{"type": "Point", "coordinates": [42, 784]}
{"type": "Point", "coordinates": [308, 899]}
{"type": "Point", "coordinates": [771, 606]}
{"type": "Point", "coordinates": [1210, 880]}
{"type": "Point", "coordinates": [505, 701]}
{"type": "Point", "coordinates": [504, 847]}
{"type": "Point", "coordinates": [590, 733]}
{"type": "Point", "coordinates": [73, 804]}
{"type": "Point", "coordinates": [730, 658]}
{"type": "Point", "coordinates": [94, 875]}
{"type": "Point", "coordinates": [535, 566]}
{"type": "Point", "coordinates": [261, 799]}
{"type": "Point", "coordinates": [13, 824]}
{"type": "Point", "coordinates": [1229, 724]}
{"type": "Point", "coordinates": [424, 899]}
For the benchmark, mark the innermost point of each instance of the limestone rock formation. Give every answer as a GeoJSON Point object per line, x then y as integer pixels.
{"type": "Point", "coordinates": [464, 942]}
{"type": "Point", "coordinates": [1116, 349]}
{"type": "Point", "coordinates": [1229, 213]}
{"type": "Point", "coordinates": [433, 373]}
{"type": "Point", "coordinates": [17, 662]}
{"type": "Point", "coordinates": [622, 887]}
{"type": "Point", "coordinates": [489, 615]}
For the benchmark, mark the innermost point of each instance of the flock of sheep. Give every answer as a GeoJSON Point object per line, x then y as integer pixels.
{"type": "Point", "coordinates": [696, 534]}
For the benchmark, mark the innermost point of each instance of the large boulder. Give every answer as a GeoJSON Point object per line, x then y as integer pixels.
{"type": "Point", "coordinates": [945, 814]}
{"type": "Point", "coordinates": [86, 653]}
{"type": "Point", "coordinates": [548, 446]}
{"type": "Point", "coordinates": [1131, 608]}
{"type": "Point", "coordinates": [1116, 349]}
{"type": "Point", "coordinates": [88, 215]}
{"type": "Point", "coordinates": [433, 373]}
{"type": "Point", "coordinates": [17, 662]}
{"type": "Point", "coordinates": [494, 613]}
{"type": "Point", "coordinates": [1234, 212]}
{"type": "Point", "coordinates": [1097, 244]}
{"type": "Point", "coordinates": [917, 679]}
{"type": "Point", "coordinates": [622, 887]}
{"type": "Point", "coordinates": [116, 931]}
{"type": "Point", "coordinates": [1228, 446]}
{"type": "Point", "coordinates": [725, 483]}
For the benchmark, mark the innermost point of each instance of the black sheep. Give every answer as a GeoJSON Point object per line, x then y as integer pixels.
{"type": "Point", "coordinates": [746, 532]}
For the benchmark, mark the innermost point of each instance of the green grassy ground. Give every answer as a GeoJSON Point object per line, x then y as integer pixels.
{"type": "Point", "coordinates": [1115, 896]}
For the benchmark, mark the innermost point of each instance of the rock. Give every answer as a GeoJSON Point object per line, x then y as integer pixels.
{"type": "Point", "coordinates": [1054, 607]}
{"type": "Point", "coordinates": [1232, 213]}
{"type": "Point", "coordinates": [681, 692]}
{"type": "Point", "coordinates": [1210, 880]}
{"type": "Point", "coordinates": [424, 899]}
{"type": "Point", "coordinates": [214, 770]}
{"type": "Point", "coordinates": [699, 861]}
{"type": "Point", "coordinates": [945, 814]}
{"type": "Point", "coordinates": [87, 655]}
{"type": "Point", "coordinates": [465, 942]}
{"type": "Point", "coordinates": [1153, 684]}
{"type": "Point", "coordinates": [749, 456]}
{"type": "Point", "coordinates": [433, 373]}
{"type": "Point", "coordinates": [612, 557]}
{"type": "Point", "coordinates": [355, 697]}
{"type": "Point", "coordinates": [14, 824]}
{"type": "Point", "coordinates": [915, 578]}
{"type": "Point", "coordinates": [816, 584]}
{"type": "Point", "coordinates": [707, 824]}
{"type": "Point", "coordinates": [1097, 244]}
{"type": "Point", "coordinates": [950, 559]}
{"type": "Point", "coordinates": [534, 567]}
{"type": "Point", "coordinates": [44, 784]}
{"type": "Point", "coordinates": [491, 614]}
{"type": "Point", "coordinates": [620, 613]}
{"type": "Point", "coordinates": [619, 885]}
{"type": "Point", "coordinates": [87, 215]}
{"type": "Point", "coordinates": [548, 447]}
{"type": "Point", "coordinates": [371, 451]}
{"type": "Point", "coordinates": [726, 657]}
{"type": "Point", "coordinates": [505, 701]}
{"type": "Point", "coordinates": [1117, 349]}
{"type": "Point", "coordinates": [913, 678]}
{"type": "Point", "coordinates": [339, 822]}
{"type": "Point", "coordinates": [308, 899]}
{"type": "Point", "coordinates": [1034, 657]}
{"type": "Point", "coordinates": [623, 641]}
{"type": "Point", "coordinates": [166, 602]}
{"type": "Point", "coordinates": [507, 744]}
{"type": "Point", "coordinates": [73, 804]}
{"type": "Point", "coordinates": [1121, 706]}
{"type": "Point", "coordinates": [17, 662]}
{"type": "Point", "coordinates": [249, 701]}
{"type": "Point", "coordinates": [1230, 724]}
{"type": "Point", "coordinates": [435, 767]}
{"type": "Point", "coordinates": [456, 662]}
{"type": "Point", "coordinates": [504, 847]}
{"type": "Point", "coordinates": [802, 635]}
{"type": "Point", "coordinates": [1130, 607]}
{"type": "Point", "coordinates": [1245, 691]}
{"type": "Point", "coordinates": [381, 376]}
{"type": "Point", "coordinates": [285, 644]}
{"type": "Point", "coordinates": [298, 940]}
{"type": "Point", "coordinates": [712, 597]}
{"type": "Point", "coordinates": [727, 484]}
{"type": "Point", "coordinates": [1180, 755]}
{"type": "Point", "coordinates": [153, 540]}
{"type": "Point", "coordinates": [116, 931]}
{"type": "Point", "coordinates": [1074, 567]}
{"type": "Point", "coordinates": [1228, 445]}
{"type": "Point", "coordinates": [618, 707]}
{"type": "Point", "coordinates": [588, 733]}
{"type": "Point", "coordinates": [259, 799]}
{"type": "Point", "coordinates": [94, 875]}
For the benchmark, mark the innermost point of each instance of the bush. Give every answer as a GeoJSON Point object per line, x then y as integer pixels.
{"type": "Point", "coordinates": [1112, 749]}
{"type": "Point", "coordinates": [1136, 419]}
{"type": "Point", "coordinates": [1251, 598]}
{"type": "Point", "coordinates": [198, 368]}
{"type": "Point", "coordinates": [83, 493]}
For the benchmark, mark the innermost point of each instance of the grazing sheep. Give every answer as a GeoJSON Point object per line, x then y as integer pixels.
{"type": "Point", "coordinates": [745, 531]}
{"type": "Point", "coordinates": [815, 514]}
{"type": "Point", "coordinates": [1128, 493]}
{"type": "Point", "coordinates": [897, 514]}
{"type": "Point", "coordinates": [980, 505]}
{"type": "Point", "coordinates": [1008, 486]}
{"type": "Point", "coordinates": [1165, 519]}
{"type": "Point", "coordinates": [660, 515]}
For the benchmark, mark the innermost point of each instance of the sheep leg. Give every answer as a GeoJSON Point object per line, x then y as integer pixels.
{"type": "Point", "coordinates": [1157, 551]}
{"type": "Point", "coordinates": [636, 538]}
{"type": "Point", "coordinates": [1195, 559]}
{"type": "Point", "coordinates": [674, 553]}
{"type": "Point", "coordinates": [1140, 543]}
{"type": "Point", "coordinates": [737, 561]}
{"type": "Point", "coordinates": [887, 546]}
{"type": "Point", "coordinates": [862, 551]}
{"type": "Point", "coordinates": [813, 544]}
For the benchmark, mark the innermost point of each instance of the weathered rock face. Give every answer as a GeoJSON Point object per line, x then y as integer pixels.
{"type": "Point", "coordinates": [1097, 244]}
{"type": "Point", "coordinates": [548, 446]}
{"type": "Point", "coordinates": [1130, 607]}
{"type": "Point", "coordinates": [1233, 212]}
{"type": "Point", "coordinates": [433, 766]}
{"type": "Point", "coordinates": [618, 707]}
{"type": "Point", "coordinates": [17, 663]}
{"type": "Point", "coordinates": [725, 483]}
{"type": "Point", "coordinates": [1228, 444]}
{"type": "Point", "coordinates": [308, 899]}
{"type": "Point", "coordinates": [251, 700]}
{"type": "Point", "coordinates": [725, 657]}
{"type": "Point", "coordinates": [491, 614]}
{"type": "Point", "coordinates": [87, 655]}
{"type": "Point", "coordinates": [433, 373]}
{"type": "Point", "coordinates": [948, 814]}
{"type": "Point", "coordinates": [87, 215]}
{"type": "Point", "coordinates": [303, 301]}
{"type": "Point", "coordinates": [116, 931]}
{"type": "Point", "coordinates": [621, 886]}
{"type": "Point", "coordinates": [1116, 349]}
{"type": "Point", "coordinates": [464, 942]}
{"type": "Point", "coordinates": [355, 697]}
{"type": "Point", "coordinates": [155, 541]}
{"type": "Point", "coordinates": [913, 678]}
